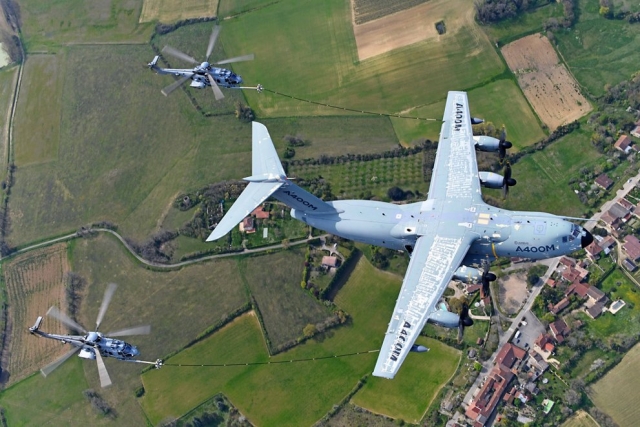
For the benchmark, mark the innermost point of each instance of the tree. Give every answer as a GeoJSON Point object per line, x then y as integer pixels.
{"type": "Point", "coordinates": [309, 330]}
{"type": "Point", "coordinates": [396, 193]}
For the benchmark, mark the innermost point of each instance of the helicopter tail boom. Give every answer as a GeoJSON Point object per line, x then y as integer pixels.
{"type": "Point", "coordinates": [36, 326]}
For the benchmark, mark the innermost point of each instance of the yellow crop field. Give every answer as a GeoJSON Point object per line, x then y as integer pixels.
{"type": "Point", "coordinates": [34, 281]}
{"type": "Point", "coordinates": [170, 11]}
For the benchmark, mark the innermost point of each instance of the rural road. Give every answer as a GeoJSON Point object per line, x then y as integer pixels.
{"type": "Point", "coordinates": [158, 265]}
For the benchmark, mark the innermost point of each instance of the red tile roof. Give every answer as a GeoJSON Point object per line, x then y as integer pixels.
{"type": "Point", "coordinates": [604, 181]}
{"type": "Point", "coordinates": [632, 246]}
{"type": "Point", "coordinates": [622, 143]}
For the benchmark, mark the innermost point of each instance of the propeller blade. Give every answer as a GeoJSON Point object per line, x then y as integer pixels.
{"type": "Point", "coordinates": [177, 54]}
{"type": "Point", "coordinates": [175, 85]}
{"type": "Point", "coordinates": [137, 330]}
{"type": "Point", "coordinates": [508, 181]}
{"type": "Point", "coordinates": [212, 40]}
{"type": "Point", "coordinates": [217, 93]}
{"type": "Point", "coordinates": [105, 381]}
{"type": "Point", "coordinates": [59, 361]}
{"type": "Point", "coordinates": [108, 294]}
{"type": "Point", "coordinates": [249, 57]}
{"type": "Point", "coordinates": [54, 312]}
{"type": "Point", "coordinates": [465, 320]}
{"type": "Point", "coordinates": [504, 144]}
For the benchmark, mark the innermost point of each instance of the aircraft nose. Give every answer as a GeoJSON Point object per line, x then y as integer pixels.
{"type": "Point", "coordinates": [587, 238]}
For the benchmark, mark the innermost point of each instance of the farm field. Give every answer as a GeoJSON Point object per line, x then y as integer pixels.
{"type": "Point", "coordinates": [580, 419]}
{"type": "Point", "coordinates": [600, 51]}
{"type": "Point", "coordinates": [47, 25]}
{"type": "Point", "coordinates": [39, 110]}
{"type": "Point", "coordinates": [551, 90]}
{"type": "Point", "coordinates": [486, 102]}
{"type": "Point", "coordinates": [59, 397]}
{"type": "Point", "coordinates": [34, 281]}
{"type": "Point", "coordinates": [229, 8]}
{"type": "Point", "coordinates": [616, 392]}
{"type": "Point", "coordinates": [307, 49]}
{"type": "Point", "coordinates": [409, 26]}
{"type": "Point", "coordinates": [290, 394]}
{"type": "Point", "coordinates": [167, 11]}
{"type": "Point", "coordinates": [283, 318]}
{"type": "Point", "coordinates": [387, 397]}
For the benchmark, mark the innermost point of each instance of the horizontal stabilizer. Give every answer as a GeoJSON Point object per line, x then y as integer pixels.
{"type": "Point", "coordinates": [251, 198]}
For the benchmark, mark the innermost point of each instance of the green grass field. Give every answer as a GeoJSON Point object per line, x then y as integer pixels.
{"type": "Point", "coordinates": [40, 96]}
{"type": "Point", "coordinates": [284, 318]}
{"type": "Point", "coordinates": [600, 51]}
{"type": "Point", "coordinates": [299, 393]}
{"type": "Point", "coordinates": [59, 400]}
{"type": "Point", "coordinates": [543, 177]}
{"type": "Point", "coordinates": [616, 393]}
{"type": "Point", "coordinates": [307, 49]}
{"type": "Point", "coordinates": [524, 24]}
{"type": "Point", "coordinates": [47, 25]}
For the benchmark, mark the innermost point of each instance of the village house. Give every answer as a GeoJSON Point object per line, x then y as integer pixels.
{"type": "Point", "coordinates": [636, 130]}
{"type": "Point", "coordinates": [604, 182]}
{"type": "Point", "coordinates": [623, 144]}
{"type": "Point", "coordinates": [559, 330]}
{"type": "Point", "coordinates": [496, 384]}
{"type": "Point", "coordinates": [631, 246]}
{"type": "Point", "coordinates": [544, 346]}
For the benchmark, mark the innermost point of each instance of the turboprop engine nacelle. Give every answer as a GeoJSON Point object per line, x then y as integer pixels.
{"type": "Point", "coordinates": [445, 318]}
{"type": "Point", "coordinates": [487, 143]}
{"type": "Point", "coordinates": [468, 274]}
{"type": "Point", "coordinates": [491, 179]}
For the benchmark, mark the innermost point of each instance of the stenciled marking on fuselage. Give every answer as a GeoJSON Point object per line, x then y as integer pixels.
{"type": "Point", "coordinates": [300, 199]}
{"type": "Point", "coordinates": [461, 174]}
{"type": "Point", "coordinates": [546, 248]}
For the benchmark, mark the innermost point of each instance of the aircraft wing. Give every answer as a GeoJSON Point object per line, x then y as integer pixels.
{"type": "Point", "coordinates": [455, 172]}
{"type": "Point", "coordinates": [434, 259]}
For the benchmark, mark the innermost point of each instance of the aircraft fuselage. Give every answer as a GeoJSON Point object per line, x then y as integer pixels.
{"type": "Point", "coordinates": [500, 232]}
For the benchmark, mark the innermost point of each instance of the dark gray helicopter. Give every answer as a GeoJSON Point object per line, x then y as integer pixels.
{"type": "Point", "coordinates": [94, 345]}
{"type": "Point", "coordinates": [204, 73]}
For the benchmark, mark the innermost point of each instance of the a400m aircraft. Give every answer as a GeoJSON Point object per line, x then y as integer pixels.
{"type": "Point", "coordinates": [446, 235]}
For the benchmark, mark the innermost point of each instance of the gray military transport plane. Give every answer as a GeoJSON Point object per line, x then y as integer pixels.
{"type": "Point", "coordinates": [446, 234]}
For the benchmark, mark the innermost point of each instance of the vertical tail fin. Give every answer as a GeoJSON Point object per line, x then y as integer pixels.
{"type": "Point", "coordinates": [267, 178]}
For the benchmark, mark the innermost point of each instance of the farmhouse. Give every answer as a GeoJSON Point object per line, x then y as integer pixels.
{"type": "Point", "coordinates": [623, 143]}
{"type": "Point", "coordinates": [260, 213]}
{"type": "Point", "coordinates": [247, 225]}
{"type": "Point", "coordinates": [604, 182]}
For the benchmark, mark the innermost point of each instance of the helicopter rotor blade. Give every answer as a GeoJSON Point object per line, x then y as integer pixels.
{"type": "Point", "coordinates": [175, 85]}
{"type": "Point", "coordinates": [105, 380]}
{"type": "Point", "coordinates": [178, 54]}
{"type": "Point", "coordinates": [212, 40]}
{"type": "Point", "coordinates": [108, 294]}
{"type": "Point", "coordinates": [136, 330]}
{"type": "Point", "coordinates": [59, 361]}
{"type": "Point", "coordinates": [54, 312]}
{"type": "Point", "coordinates": [216, 90]}
{"type": "Point", "coordinates": [249, 57]}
